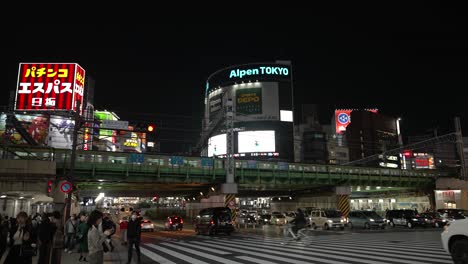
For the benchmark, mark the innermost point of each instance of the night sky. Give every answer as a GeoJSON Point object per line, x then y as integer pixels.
{"type": "Point", "coordinates": [406, 61]}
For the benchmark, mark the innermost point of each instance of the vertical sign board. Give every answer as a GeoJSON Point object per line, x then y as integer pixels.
{"type": "Point", "coordinates": [50, 87]}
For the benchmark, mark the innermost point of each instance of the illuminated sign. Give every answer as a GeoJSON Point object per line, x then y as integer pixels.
{"type": "Point", "coordinates": [49, 87]}
{"type": "Point", "coordinates": [256, 141]}
{"type": "Point", "coordinates": [262, 70]}
{"type": "Point", "coordinates": [131, 142]}
{"type": "Point", "coordinates": [343, 118]}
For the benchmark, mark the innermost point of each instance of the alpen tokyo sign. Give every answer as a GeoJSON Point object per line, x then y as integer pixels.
{"type": "Point", "coordinates": [262, 70]}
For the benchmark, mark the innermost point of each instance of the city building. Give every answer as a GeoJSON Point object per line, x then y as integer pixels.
{"type": "Point", "coordinates": [262, 103]}
{"type": "Point", "coordinates": [370, 133]}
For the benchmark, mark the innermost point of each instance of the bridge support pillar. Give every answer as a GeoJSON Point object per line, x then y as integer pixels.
{"type": "Point", "coordinates": [343, 193]}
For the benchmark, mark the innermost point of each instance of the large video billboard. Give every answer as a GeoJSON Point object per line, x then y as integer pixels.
{"type": "Point", "coordinates": [36, 125]}
{"type": "Point", "coordinates": [49, 87]}
{"type": "Point", "coordinates": [61, 132]}
{"type": "Point", "coordinates": [256, 141]}
{"type": "Point", "coordinates": [217, 145]}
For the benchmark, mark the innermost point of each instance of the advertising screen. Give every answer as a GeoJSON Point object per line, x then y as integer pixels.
{"type": "Point", "coordinates": [249, 101]}
{"type": "Point", "coordinates": [217, 145]}
{"type": "Point", "coordinates": [36, 126]}
{"type": "Point", "coordinates": [256, 141]}
{"type": "Point", "coordinates": [49, 87]}
{"type": "Point", "coordinates": [61, 132]}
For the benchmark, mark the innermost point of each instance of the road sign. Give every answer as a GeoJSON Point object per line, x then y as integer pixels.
{"type": "Point", "coordinates": [66, 187]}
{"type": "Point", "coordinates": [114, 124]}
{"type": "Point", "coordinates": [137, 158]}
{"type": "Point", "coordinates": [177, 160]}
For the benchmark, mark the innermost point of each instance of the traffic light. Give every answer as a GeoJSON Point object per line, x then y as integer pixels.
{"type": "Point", "coordinates": [151, 128]}
{"type": "Point", "coordinates": [49, 187]}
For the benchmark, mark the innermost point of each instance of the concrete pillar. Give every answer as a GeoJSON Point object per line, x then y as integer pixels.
{"type": "Point", "coordinates": [15, 208]}
{"type": "Point", "coordinates": [343, 193]}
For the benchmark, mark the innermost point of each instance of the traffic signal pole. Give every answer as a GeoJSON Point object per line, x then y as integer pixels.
{"type": "Point", "coordinates": [71, 172]}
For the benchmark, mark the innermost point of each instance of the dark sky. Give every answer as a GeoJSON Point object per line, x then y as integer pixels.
{"type": "Point", "coordinates": [406, 61]}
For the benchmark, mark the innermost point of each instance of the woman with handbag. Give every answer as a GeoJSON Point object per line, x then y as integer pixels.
{"type": "Point", "coordinates": [21, 250]}
{"type": "Point", "coordinates": [96, 238]}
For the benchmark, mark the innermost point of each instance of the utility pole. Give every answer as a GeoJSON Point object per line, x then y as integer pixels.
{"type": "Point", "coordinates": [461, 155]}
{"type": "Point", "coordinates": [76, 128]}
{"type": "Point", "coordinates": [230, 187]}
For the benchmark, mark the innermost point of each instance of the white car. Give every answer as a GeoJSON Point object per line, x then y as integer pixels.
{"type": "Point", "coordinates": [455, 240]}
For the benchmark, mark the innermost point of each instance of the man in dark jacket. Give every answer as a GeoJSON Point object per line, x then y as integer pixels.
{"type": "Point", "coordinates": [299, 221]}
{"type": "Point", "coordinates": [107, 224]}
{"type": "Point", "coordinates": [133, 236]}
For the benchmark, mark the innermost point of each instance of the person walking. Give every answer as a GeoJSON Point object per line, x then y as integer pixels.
{"type": "Point", "coordinates": [20, 238]}
{"type": "Point", "coordinates": [96, 238]}
{"type": "Point", "coordinates": [82, 235]}
{"type": "Point", "coordinates": [134, 236]}
{"type": "Point", "coordinates": [70, 231]}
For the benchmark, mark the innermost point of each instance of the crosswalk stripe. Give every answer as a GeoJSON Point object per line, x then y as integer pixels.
{"type": "Point", "coordinates": [300, 254]}
{"type": "Point", "coordinates": [201, 254]}
{"type": "Point", "coordinates": [155, 256]}
{"type": "Point", "coordinates": [254, 260]}
{"type": "Point", "coordinates": [220, 252]}
{"type": "Point", "coordinates": [288, 260]}
{"type": "Point", "coordinates": [413, 251]}
{"type": "Point", "coordinates": [421, 249]}
{"type": "Point", "coordinates": [347, 256]}
{"type": "Point", "coordinates": [378, 253]}
{"type": "Point", "coordinates": [177, 254]}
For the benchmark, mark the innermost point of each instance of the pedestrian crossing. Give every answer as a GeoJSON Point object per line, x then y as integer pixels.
{"type": "Point", "coordinates": [332, 249]}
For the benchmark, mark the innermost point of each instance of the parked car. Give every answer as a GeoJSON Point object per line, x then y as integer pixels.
{"type": "Point", "coordinates": [455, 240]}
{"type": "Point", "coordinates": [327, 218]}
{"type": "Point", "coordinates": [278, 219]}
{"type": "Point", "coordinates": [174, 223]}
{"type": "Point", "coordinates": [214, 220]}
{"type": "Point", "coordinates": [265, 219]}
{"type": "Point", "coordinates": [366, 220]}
{"type": "Point", "coordinates": [453, 214]}
{"type": "Point", "coordinates": [147, 225]}
{"type": "Point", "coordinates": [406, 217]}
{"type": "Point", "coordinates": [436, 219]}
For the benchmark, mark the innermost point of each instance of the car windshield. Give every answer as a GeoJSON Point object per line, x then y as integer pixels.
{"type": "Point", "coordinates": [333, 213]}
{"type": "Point", "coordinates": [266, 216]}
{"type": "Point", "coordinates": [371, 214]}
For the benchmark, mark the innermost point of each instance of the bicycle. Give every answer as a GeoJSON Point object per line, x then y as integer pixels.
{"type": "Point", "coordinates": [288, 231]}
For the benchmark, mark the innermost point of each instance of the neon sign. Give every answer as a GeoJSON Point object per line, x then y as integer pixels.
{"type": "Point", "coordinates": [262, 70]}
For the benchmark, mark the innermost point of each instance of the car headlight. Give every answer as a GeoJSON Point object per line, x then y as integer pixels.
{"type": "Point", "coordinates": [414, 219]}
{"type": "Point", "coordinates": [342, 220]}
{"type": "Point", "coordinates": [330, 221]}
{"type": "Point", "coordinates": [372, 220]}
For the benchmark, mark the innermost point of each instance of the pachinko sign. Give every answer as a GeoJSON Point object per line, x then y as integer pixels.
{"type": "Point", "coordinates": [50, 87]}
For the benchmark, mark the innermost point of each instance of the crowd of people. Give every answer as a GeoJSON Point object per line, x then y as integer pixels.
{"type": "Point", "coordinates": [45, 237]}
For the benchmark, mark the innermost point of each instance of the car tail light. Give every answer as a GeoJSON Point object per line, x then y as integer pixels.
{"type": "Point", "coordinates": [212, 222]}
{"type": "Point", "coordinates": [181, 221]}
{"type": "Point", "coordinates": [141, 225]}
{"type": "Point", "coordinates": [170, 222]}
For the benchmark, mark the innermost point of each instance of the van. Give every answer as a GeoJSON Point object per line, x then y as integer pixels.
{"type": "Point", "coordinates": [214, 220]}
{"type": "Point", "coordinates": [326, 219]}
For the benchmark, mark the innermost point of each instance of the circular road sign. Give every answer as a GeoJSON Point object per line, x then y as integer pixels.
{"type": "Point", "coordinates": [66, 187]}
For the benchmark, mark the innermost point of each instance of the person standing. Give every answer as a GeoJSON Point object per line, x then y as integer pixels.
{"type": "Point", "coordinates": [133, 236]}
{"type": "Point", "coordinates": [44, 236]}
{"type": "Point", "coordinates": [20, 236]}
{"type": "Point", "coordinates": [123, 230]}
{"type": "Point", "coordinates": [58, 237]}
{"type": "Point", "coordinates": [3, 235]}
{"type": "Point", "coordinates": [96, 238]}
{"type": "Point", "coordinates": [70, 231]}
{"type": "Point", "coordinates": [82, 235]}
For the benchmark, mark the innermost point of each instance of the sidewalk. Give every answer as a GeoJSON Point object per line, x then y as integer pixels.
{"type": "Point", "coordinates": [118, 256]}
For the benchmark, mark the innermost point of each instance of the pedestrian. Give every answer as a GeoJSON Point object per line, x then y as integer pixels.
{"type": "Point", "coordinates": [123, 230]}
{"type": "Point", "coordinates": [70, 227]}
{"type": "Point", "coordinates": [82, 235]}
{"type": "Point", "coordinates": [96, 238]}
{"type": "Point", "coordinates": [58, 237]}
{"type": "Point", "coordinates": [44, 236]}
{"type": "Point", "coordinates": [20, 238]}
{"type": "Point", "coordinates": [3, 235]}
{"type": "Point", "coordinates": [108, 224]}
{"type": "Point", "coordinates": [134, 236]}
